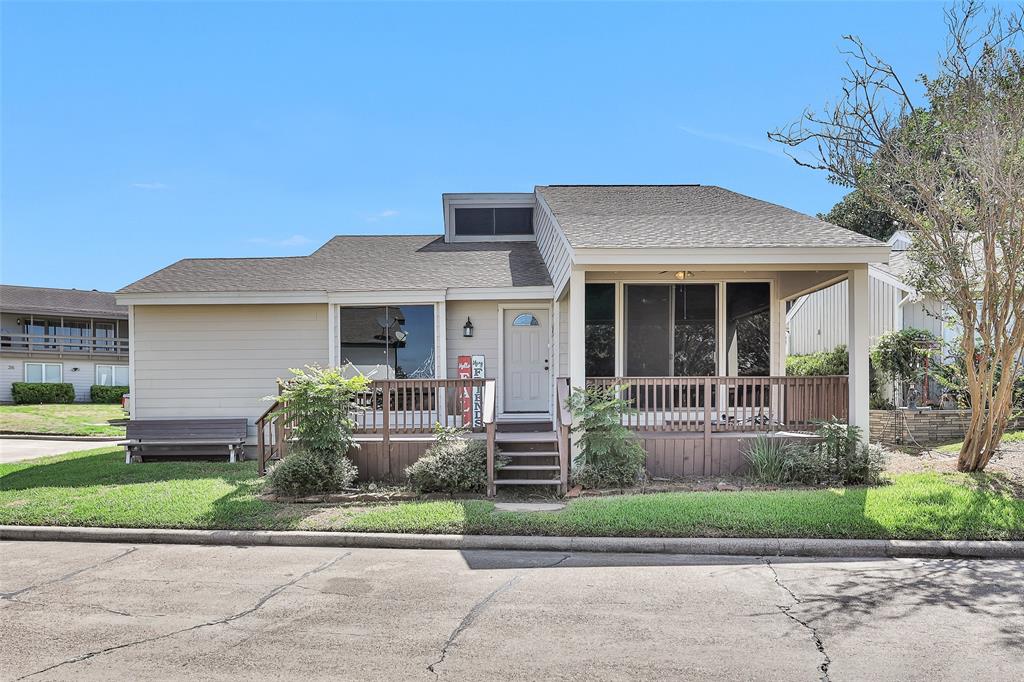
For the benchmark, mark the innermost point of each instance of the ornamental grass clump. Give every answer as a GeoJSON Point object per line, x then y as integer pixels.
{"type": "Point", "coordinates": [319, 402]}
{"type": "Point", "coordinates": [610, 454]}
{"type": "Point", "coordinates": [770, 460]}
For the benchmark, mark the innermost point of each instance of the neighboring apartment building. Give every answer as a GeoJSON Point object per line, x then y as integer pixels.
{"type": "Point", "coordinates": [62, 336]}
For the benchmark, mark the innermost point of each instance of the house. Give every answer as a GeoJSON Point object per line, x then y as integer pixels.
{"type": "Point", "coordinates": [818, 322]}
{"type": "Point", "coordinates": [680, 291]}
{"type": "Point", "coordinates": [62, 336]}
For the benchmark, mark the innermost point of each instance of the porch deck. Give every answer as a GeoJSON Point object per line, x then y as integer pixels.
{"type": "Point", "coordinates": [689, 426]}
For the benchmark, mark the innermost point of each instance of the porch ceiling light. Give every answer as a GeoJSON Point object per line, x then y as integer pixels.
{"type": "Point", "coordinates": [467, 329]}
{"type": "Point", "coordinates": [683, 274]}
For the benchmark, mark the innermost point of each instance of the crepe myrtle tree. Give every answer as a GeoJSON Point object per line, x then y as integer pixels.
{"type": "Point", "coordinates": [948, 164]}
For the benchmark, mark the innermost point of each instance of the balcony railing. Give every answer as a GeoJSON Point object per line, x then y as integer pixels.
{"type": "Point", "coordinates": [52, 344]}
{"type": "Point", "coordinates": [730, 404]}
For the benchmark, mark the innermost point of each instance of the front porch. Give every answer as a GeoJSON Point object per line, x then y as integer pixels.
{"type": "Point", "coordinates": [689, 426]}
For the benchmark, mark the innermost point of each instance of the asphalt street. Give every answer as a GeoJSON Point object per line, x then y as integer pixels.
{"type": "Point", "coordinates": [154, 612]}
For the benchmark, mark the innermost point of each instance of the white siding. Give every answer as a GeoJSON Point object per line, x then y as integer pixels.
{"type": "Point", "coordinates": [220, 360]}
{"type": "Point", "coordinates": [484, 315]}
{"type": "Point", "coordinates": [553, 247]}
{"type": "Point", "coordinates": [821, 322]}
{"type": "Point", "coordinates": [924, 315]}
{"type": "Point", "coordinates": [13, 369]}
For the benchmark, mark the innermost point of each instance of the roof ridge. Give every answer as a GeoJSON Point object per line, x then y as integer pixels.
{"type": "Point", "coordinates": [678, 184]}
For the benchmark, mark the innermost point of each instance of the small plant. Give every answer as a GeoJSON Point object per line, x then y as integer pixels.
{"type": "Point", "coordinates": [770, 460]}
{"type": "Point", "coordinates": [452, 464]}
{"type": "Point", "coordinates": [319, 402]}
{"type": "Point", "coordinates": [610, 454]}
{"type": "Point", "coordinates": [839, 458]}
{"type": "Point", "coordinates": [106, 394]}
{"type": "Point", "coordinates": [24, 393]}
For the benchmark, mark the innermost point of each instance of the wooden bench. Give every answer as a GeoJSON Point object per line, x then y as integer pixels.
{"type": "Point", "coordinates": [185, 437]}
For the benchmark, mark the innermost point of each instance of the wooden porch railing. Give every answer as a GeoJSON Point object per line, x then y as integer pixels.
{"type": "Point", "coordinates": [730, 404]}
{"type": "Point", "coordinates": [401, 407]}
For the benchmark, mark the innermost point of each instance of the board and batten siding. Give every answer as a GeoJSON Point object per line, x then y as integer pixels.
{"type": "Point", "coordinates": [821, 322]}
{"type": "Point", "coordinates": [220, 360]}
{"type": "Point", "coordinates": [553, 247]}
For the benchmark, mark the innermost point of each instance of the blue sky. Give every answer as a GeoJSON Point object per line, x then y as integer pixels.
{"type": "Point", "coordinates": [138, 134]}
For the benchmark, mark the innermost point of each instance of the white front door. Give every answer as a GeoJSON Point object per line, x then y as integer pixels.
{"type": "Point", "coordinates": [526, 360]}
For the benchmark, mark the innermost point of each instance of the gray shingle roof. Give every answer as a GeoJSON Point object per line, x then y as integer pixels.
{"type": "Point", "coordinates": [360, 263]}
{"type": "Point", "coordinates": [67, 302]}
{"type": "Point", "coordinates": [685, 216]}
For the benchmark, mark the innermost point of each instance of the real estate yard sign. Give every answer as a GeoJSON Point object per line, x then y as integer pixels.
{"type": "Point", "coordinates": [472, 367]}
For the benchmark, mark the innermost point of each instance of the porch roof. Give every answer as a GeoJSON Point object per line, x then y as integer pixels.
{"type": "Point", "coordinates": [686, 216]}
{"type": "Point", "coordinates": [67, 302]}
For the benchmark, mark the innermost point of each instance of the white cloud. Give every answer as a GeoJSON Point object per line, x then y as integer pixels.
{"type": "Point", "coordinates": [149, 185]}
{"type": "Point", "coordinates": [294, 240]}
{"type": "Point", "coordinates": [733, 141]}
{"type": "Point", "coordinates": [382, 215]}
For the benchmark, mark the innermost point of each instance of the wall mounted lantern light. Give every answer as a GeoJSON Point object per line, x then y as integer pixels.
{"type": "Point", "coordinates": [467, 329]}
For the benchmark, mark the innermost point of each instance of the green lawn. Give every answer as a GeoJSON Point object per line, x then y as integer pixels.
{"type": "Point", "coordinates": [76, 419]}
{"type": "Point", "coordinates": [1008, 437]}
{"type": "Point", "coordinates": [96, 488]}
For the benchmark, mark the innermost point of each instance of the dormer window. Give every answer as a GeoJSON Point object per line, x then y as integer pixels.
{"type": "Point", "coordinates": [493, 222]}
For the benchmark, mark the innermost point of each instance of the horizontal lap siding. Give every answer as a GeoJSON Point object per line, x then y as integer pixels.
{"type": "Point", "coordinates": [220, 360]}
{"type": "Point", "coordinates": [552, 246]}
{"type": "Point", "coordinates": [13, 369]}
{"type": "Point", "coordinates": [821, 322]}
{"type": "Point", "coordinates": [484, 315]}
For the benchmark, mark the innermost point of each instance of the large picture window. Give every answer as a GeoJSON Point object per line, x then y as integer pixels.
{"type": "Point", "coordinates": [600, 330]}
{"type": "Point", "coordinates": [389, 342]}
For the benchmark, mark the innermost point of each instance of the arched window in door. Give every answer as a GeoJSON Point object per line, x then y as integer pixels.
{"type": "Point", "coordinates": [525, 320]}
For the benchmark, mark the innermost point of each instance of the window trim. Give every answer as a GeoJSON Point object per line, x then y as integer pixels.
{"type": "Point", "coordinates": [776, 350]}
{"type": "Point", "coordinates": [437, 340]}
{"type": "Point", "coordinates": [113, 374]}
{"type": "Point", "coordinates": [494, 200]}
{"type": "Point", "coordinates": [43, 365]}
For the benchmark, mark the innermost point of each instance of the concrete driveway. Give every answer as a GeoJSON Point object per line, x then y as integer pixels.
{"type": "Point", "coordinates": [18, 449]}
{"type": "Point", "coordinates": [100, 611]}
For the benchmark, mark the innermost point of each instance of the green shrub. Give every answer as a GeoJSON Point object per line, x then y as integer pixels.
{"type": "Point", "coordinates": [304, 472]}
{"type": "Point", "coordinates": [835, 362]}
{"type": "Point", "coordinates": [106, 394]}
{"type": "Point", "coordinates": [452, 464]}
{"type": "Point", "coordinates": [37, 394]}
{"type": "Point", "coordinates": [320, 403]}
{"type": "Point", "coordinates": [770, 460]}
{"type": "Point", "coordinates": [610, 454]}
{"type": "Point", "coordinates": [838, 458]}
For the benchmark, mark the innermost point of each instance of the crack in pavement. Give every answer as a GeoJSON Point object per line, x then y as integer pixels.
{"type": "Point", "coordinates": [220, 621]}
{"type": "Point", "coordinates": [559, 562]}
{"type": "Point", "coordinates": [468, 619]}
{"type": "Point", "coordinates": [818, 643]}
{"type": "Point", "coordinates": [10, 596]}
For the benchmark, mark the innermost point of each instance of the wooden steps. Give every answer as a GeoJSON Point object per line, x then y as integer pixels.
{"type": "Point", "coordinates": [533, 453]}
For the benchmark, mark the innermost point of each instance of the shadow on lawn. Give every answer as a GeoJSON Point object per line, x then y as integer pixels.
{"type": "Point", "coordinates": [108, 468]}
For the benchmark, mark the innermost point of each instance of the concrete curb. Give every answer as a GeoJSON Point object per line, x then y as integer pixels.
{"type": "Point", "coordinates": [43, 436]}
{"type": "Point", "coordinates": [973, 549]}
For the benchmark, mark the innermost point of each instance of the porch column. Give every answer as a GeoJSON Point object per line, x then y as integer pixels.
{"type": "Point", "coordinates": [577, 346]}
{"type": "Point", "coordinates": [858, 332]}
